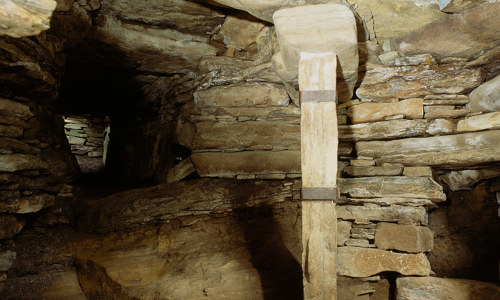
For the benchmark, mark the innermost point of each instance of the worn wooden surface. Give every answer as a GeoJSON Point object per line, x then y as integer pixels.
{"type": "Point", "coordinates": [319, 140]}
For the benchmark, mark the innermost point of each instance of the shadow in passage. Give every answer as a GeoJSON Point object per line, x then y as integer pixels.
{"type": "Point", "coordinates": [279, 271]}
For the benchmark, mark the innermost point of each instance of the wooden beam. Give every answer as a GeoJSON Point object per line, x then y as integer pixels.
{"type": "Point", "coordinates": [319, 142]}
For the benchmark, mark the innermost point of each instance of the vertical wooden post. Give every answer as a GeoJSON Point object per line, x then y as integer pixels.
{"type": "Point", "coordinates": [319, 142]}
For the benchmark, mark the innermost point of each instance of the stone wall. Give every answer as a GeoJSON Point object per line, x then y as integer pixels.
{"type": "Point", "coordinates": [86, 135]}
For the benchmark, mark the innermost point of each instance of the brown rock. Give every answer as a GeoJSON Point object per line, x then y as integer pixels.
{"type": "Point", "coordinates": [383, 130]}
{"type": "Point", "coordinates": [393, 213]}
{"type": "Point", "coordinates": [240, 135]}
{"type": "Point", "coordinates": [27, 204]}
{"type": "Point", "coordinates": [451, 36]}
{"type": "Point", "coordinates": [180, 170]}
{"type": "Point", "coordinates": [466, 179]}
{"type": "Point", "coordinates": [343, 231]}
{"type": "Point", "coordinates": [450, 151]}
{"type": "Point", "coordinates": [365, 262]}
{"type": "Point", "coordinates": [456, 6]}
{"type": "Point", "coordinates": [240, 31]}
{"type": "Point", "coordinates": [7, 259]}
{"type": "Point", "coordinates": [485, 97]}
{"type": "Point", "coordinates": [25, 18]}
{"type": "Point", "coordinates": [9, 226]}
{"type": "Point", "coordinates": [217, 164]}
{"type": "Point", "coordinates": [370, 112]}
{"type": "Point", "coordinates": [21, 162]}
{"type": "Point", "coordinates": [242, 95]}
{"type": "Point", "coordinates": [417, 172]}
{"type": "Point", "coordinates": [407, 238]}
{"type": "Point", "coordinates": [433, 288]}
{"type": "Point", "coordinates": [371, 171]}
{"type": "Point", "coordinates": [416, 81]}
{"type": "Point", "coordinates": [480, 122]}
{"type": "Point", "coordinates": [14, 109]}
{"type": "Point", "coordinates": [392, 186]}
{"type": "Point", "coordinates": [452, 113]}
{"type": "Point", "coordinates": [11, 131]}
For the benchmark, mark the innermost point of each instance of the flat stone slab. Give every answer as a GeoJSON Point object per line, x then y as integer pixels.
{"type": "Point", "coordinates": [393, 213]}
{"type": "Point", "coordinates": [480, 122]}
{"type": "Point", "coordinates": [371, 112]}
{"type": "Point", "coordinates": [365, 262]}
{"type": "Point", "coordinates": [434, 288]}
{"type": "Point", "coordinates": [407, 238]}
{"type": "Point", "coordinates": [454, 151]}
{"type": "Point", "coordinates": [392, 186]}
{"type": "Point", "coordinates": [242, 95]}
{"type": "Point", "coordinates": [416, 81]}
{"type": "Point", "coordinates": [228, 165]}
{"type": "Point", "coordinates": [485, 97]}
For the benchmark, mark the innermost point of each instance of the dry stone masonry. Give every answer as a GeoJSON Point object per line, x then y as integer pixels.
{"type": "Point", "coordinates": [418, 155]}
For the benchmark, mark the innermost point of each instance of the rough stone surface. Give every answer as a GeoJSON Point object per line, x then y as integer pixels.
{"type": "Point", "coordinates": [416, 81]}
{"type": "Point", "coordinates": [466, 34]}
{"type": "Point", "coordinates": [10, 108]}
{"type": "Point", "coordinates": [180, 171]}
{"type": "Point", "coordinates": [228, 165]}
{"type": "Point", "coordinates": [242, 95]}
{"type": "Point", "coordinates": [393, 213]}
{"type": "Point", "coordinates": [25, 18]}
{"type": "Point", "coordinates": [417, 172]}
{"type": "Point", "coordinates": [9, 226]}
{"type": "Point", "coordinates": [457, 6]}
{"type": "Point", "coordinates": [364, 262]}
{"type": "Point", "coordinates": [240, 31]}
{"type": "Point", "coordinates": [7, 259]}
{"type": "Point", "coordinates": [298, 30]}
{"type": "Point", "coordinates": [433, 288]}
{"type": "Point", "coordinates": [452, 151]}
{"type": "Point", "coordinates": [485, 97]}
{"type": "Point", "coordinates": [466, 179]}
{"type": "Point", "coordinates": [481, 122]}
{"type": "Point", "coordinates": [370, 171]}
{"type": "Point", "coordinates": [392, 186]}
{"type": "Point", "coordinates": [383, 130]}
{"type": "Point", "coordinates": [20, 162]}
{"type": "Point", "coordinates": [343, 231]}
{"type": "Point", "coordinates": [407, 238]}
{"type": "Point", "coordinates": [371, 112]}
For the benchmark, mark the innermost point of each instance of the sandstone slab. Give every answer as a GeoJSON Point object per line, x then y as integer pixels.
{"type": "Point", "coordinates": [434, 288]}
{"type": "Point", "coordinates": [20, 162]}
{"type": "Point", "coordinates": [459, 150]}
{"type": "Point", "coordinates": [10, 131]}
{"type": "Point", "coordinates": [27, 204]}
{"type": "Point", "coordinates": [242, 95]}
{"type": "Point", "coordinates": [383, 130]}
{"type": "Point", "coordinates": [216, 164]}
{"type": "Point", "coordinates": [365, 262]}
{"type": "Point", "coordinates": [343, 231]}
{"type": "Point", "coordinates": [447, 113]}
{"type": "Point", "coordinates": [25, 18]}
{"type": "Point", "coordinates": [14, 109]}
{"type": "Point", "coordinates": [485, 97]}
{"type": "Point", "coordinates": [299, 30]}
{"type": "Point", "coordinates": [393, 213]}
{"type": "Point", "coordinates": [458, 35]}
{"type": "Point", "coordinates": [371, 112]}
{"type": "Point", "coordinates": [241, 31]}
{"type": "Point", "coordinates": [251, 134]}
{"type": "Point", "coordinates": [7, 259]}
{"type": "Point", "coordinates": [416, 81]}
{"type": "Point", "coordinates": [417, 172]}
{"type": "Point", "coordinates": [180, 170]}
{"type": "Point", "coordinates": [392, 186]}
{"type": "Point", "coordinates": [457, 6]}
{"type": "Point", "coordinates": [480, 122]}
{"type": "Point", "coordinates": [466, 179]}
{"type": "Point", "coordinates": [407, 238]}
{"type": "Point", "coordinates": [370, 171]}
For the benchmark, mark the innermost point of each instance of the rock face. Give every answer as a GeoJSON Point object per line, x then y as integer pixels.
{"type": "Point", "coordinates": [465, 34]}
{"type": "Point", "coordinates": [485, 98]}
{"type": "Point", "coordinates": [20, 19]}
{"type": "Point", "coordinates": [299, 31]}
{"type": "Point", "coordinates": [459, 150]}
{"type": "Point", "coordinates": [370, 112]}
{"type": "Point", "coordinates": [408, 238]}
{"type": "Point", "coordinates": [432, 288]}
{"type": "Point", "coordinates": [363, 262]}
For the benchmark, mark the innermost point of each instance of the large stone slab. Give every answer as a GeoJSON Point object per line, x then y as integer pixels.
{"type": "Point", "coordinates": [9, 108]}
{"type": "Point", "coordinates": [466, 179]}
{"type": "Point", "coordinates": [219, 164]}
{"type": "Point", "coordinates": [392, 186]}
{"type": "Point", "coordinates": [7, 259]}
{"type": "Point", "coordinates": [393, 213]}
{"type": "Point", "coordinates": [371, 112]}
{"type": "Point", "coordinates": [318, 28]}
{"type": "Point", "coordinates": [20, 162]}
{"type": "Point", "coordinates": [407, 238]}
{"type": "Point", "coordinates": [416, 81]}
{"type": "Point", "coordinates": [370, 171]}
{"type": "Point", "coordinates": [454, 151]}
{"type": "Point", "coordinates": [480, 122]}
{"type": "Point", "coordinates": [365, 262]}
{"type": "Point", "coordinates": [383, 130]}
{"type": "Point", "coordinates": [242, 95]}
{"type": "Point", "coordinates": [240, 31]}
{"type": "Point", "coordinates": [456, 6]}
{"type": "Point", "coordinates": [434, 288]}
{"type": "Point", "coordinates": [458, 35]}
{"type": "Point", "coordinates": [485, 97]}
{"type": "Point", "coordinates": [9, 226]}
{"type": "Point", "coordinates": [242, 135]}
